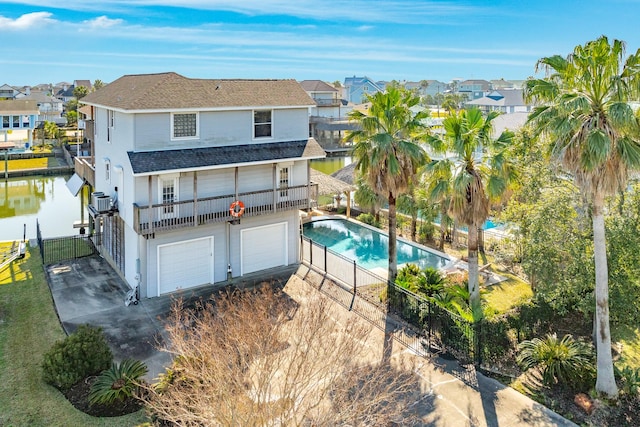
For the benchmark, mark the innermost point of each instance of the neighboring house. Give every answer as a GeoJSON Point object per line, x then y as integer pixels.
{"type": "Point", "coordinates": [17, 120]}
{"type": "Point", "coordinates": [355, 88]}
{"type": "Point", "coordinates": [327, 121]}
{"type": "Point", "coordinates": [433, 87]}
{"type": "Point", "coordinates": [474, 89]}
{"type": "Point", "coordinates": [8, 92]}
{"type": "Point", "coordinates": [49, 106]}
{"type": "Point", "coordinates": [505, 101]}
{"type": "Point", "coordinates": [202, 180]}
{"type": "Point", "coordinates": [502, 84]}
{"type": "Point", "coordinates": [65, 93]}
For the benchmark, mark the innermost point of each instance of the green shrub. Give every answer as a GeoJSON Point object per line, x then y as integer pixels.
{"type": "Point", "coordinates": [426, 232]}
{"type": "Point", "coordinates": [561, 361]}
{"type": "Point", "coordinates": [83, 353]}
{"type": "Point", "coordinates": [369, 219]}
{"type": "Point", "coordinates": [629, 380]}
{"type": "Point", "coordinates": [118, 382]}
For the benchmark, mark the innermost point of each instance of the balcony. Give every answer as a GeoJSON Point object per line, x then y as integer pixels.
{"type": "Point", "coordinates": [320, 102]}
{"type": "Point", "coordinates": [84, 168]}
{"type": "Point", "coordinates": [192, 213]}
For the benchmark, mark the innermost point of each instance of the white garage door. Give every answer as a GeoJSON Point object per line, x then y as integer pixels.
{"type": "Point", "coordinates": [264, 247]}
{"type": "Point", "coordinates": [185, 264]}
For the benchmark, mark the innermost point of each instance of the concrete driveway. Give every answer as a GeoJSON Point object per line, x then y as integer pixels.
{"type": "Point", "coordinates": [88, 290]}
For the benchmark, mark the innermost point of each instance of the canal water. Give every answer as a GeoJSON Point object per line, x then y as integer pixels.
{"type": "Point", "coordinates": [329, 165]}
{"type": "Point", "coordinates": [44, 198]}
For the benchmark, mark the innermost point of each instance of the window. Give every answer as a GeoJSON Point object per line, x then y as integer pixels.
{"type": "Point", "coordinates": [112, 118]}
{"type": "Point", "coordinates": [16, 121]}
{"type": "Point", "coordinates": [5, 121]}
{"type": "Point", "coordinates": [107, 170]}
{"type": "Point", "coordinates": [284, 182]}
{"type": "Point", "coordinates": [262, 124]}
{"type": "Point", "coordinates": [184, 125]}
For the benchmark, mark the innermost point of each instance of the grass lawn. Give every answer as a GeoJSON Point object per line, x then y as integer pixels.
{"type": "Point", "coordinates": [629, 337]}
{"type": "Point", "coordinates": [28, 328]}
{"type": "Point", "coordinates": [21, 164]}
{"type": "Point", "coordinates": [503, 296]}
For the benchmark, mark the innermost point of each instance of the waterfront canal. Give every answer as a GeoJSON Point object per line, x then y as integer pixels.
{"type": "Point", "coordinates": [329, 165]}
{"type": "Point", "coordinates": [45, 198]}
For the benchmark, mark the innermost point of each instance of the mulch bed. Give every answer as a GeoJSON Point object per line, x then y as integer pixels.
{"type": "Point", "coordinates": [78, 395]}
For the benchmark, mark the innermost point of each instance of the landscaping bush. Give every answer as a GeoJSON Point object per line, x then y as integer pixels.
{"type": "Point", "coordinates": [118, 382]}
{"type": "Point", "coordinates": [369, 219]}
{"type": "Point", "coordinates": [565, 361]}
{"type": "Point", "coordinates": [81, 354]}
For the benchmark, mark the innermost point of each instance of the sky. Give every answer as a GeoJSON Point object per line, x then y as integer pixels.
{"type": "Point", "coordinates": [51, 41]}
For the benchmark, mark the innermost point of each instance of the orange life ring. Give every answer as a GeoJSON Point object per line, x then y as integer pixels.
{"type": "Point", "coordinates": [236, 209]}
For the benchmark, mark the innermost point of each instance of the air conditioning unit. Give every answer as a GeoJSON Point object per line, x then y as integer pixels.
{"type": "Point", "coordinates": [102, 203]}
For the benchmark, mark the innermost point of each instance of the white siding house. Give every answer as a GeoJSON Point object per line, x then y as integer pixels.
{"type": "Point", "coordinates": [173, 155]}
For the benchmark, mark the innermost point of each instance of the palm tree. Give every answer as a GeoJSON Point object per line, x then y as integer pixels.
{"type": "Point", "coordinates": [475, 170]}
{"type": "Point", "coordinates": [387, 156]}
{"type": "Point", "coordinates": [583, 109]}
{"type": "Point", "coordinates": [438, 188]}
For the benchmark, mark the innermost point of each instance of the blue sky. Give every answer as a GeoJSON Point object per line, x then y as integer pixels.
{"type": "Point", "coordinates": [49, 41]}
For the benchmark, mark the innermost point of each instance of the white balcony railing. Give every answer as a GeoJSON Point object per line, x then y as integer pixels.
{"type": "Point", "coordinates": [192, 213]}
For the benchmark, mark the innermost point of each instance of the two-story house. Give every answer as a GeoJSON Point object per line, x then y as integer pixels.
{"type": "Point", "coordinates": [202, 180]}
{"type": "Point", "coordinates": [355, 88]}
{"type": "Point", "coordinates": [17, 120]}
{"type": "Point", "coordinates": [474, 89]}
{"type": "Point", "coordinates": [328, 118]}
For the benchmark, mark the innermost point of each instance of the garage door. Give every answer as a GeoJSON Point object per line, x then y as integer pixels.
{"type": "Point", "coordinates": [264, 247]}
{"type": "Point", "coordinates": [185, 264]}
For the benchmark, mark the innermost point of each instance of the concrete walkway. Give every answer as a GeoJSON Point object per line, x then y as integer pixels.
{"type": "Point", "coordinates": [87, 290]}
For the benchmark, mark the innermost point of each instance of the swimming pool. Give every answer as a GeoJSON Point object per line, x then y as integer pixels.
{"type": "Point", "coordinates": [368, 247]}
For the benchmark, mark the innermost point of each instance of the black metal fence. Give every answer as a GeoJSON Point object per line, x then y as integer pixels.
{"type": "Point", "coordinates": [57, 249]}
{"type": "Point", "coordinates": [418, 323]}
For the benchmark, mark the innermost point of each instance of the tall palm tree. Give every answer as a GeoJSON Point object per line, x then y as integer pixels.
{"type": "Point", "coordinates": [475, 170]}
{"type": "Point", "coordinates": [387, 155]}
{"type": "Point", "coordinates": [583, 109]}
{"type": "Point", "coordinates": [438, 188]}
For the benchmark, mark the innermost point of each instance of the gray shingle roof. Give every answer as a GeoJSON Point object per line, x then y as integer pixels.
{"type": "Point", "coordinates": [317, 86]}
{"type": "Point", "coordinates": [171, 91]}
{"type": "Point", "coordinates": [196, 158]}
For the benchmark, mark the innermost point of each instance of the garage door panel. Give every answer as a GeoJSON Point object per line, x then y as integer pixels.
{"type": "Point", "coordinates": [184, 265]}
{"type": "Point", "coordinates": [264, 247]}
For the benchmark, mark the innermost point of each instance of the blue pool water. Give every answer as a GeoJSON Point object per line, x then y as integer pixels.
{"type": "Point", "coordinates": [369, 248]}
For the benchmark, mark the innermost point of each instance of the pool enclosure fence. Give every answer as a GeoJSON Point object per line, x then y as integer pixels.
{"type": "Point", "coordinates": [427, 328]}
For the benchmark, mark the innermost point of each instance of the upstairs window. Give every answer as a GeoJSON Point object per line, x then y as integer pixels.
{"type": "Point", "coordinates": [16, 121]}
{"type": "Point", "coordinates": [262, 124]}
{"type": "Point", "coordinates": [184, 125]}
{"type": "Point", "coordinates": [5, 121]}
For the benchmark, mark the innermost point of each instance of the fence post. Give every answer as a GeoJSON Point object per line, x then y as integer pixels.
{"type": "Point", "coordinates": [477, 331]}
{"type": "Point", "coordinates": [324, 267]}
{"type": "Point", "coordinates": [355, 274]}
{"type": "Point", "coordinates": [429, 321]}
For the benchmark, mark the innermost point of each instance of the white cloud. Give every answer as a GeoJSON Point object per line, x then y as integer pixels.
{"type": "Point", "coordinates": [102, 22]}
{"type": "Point", "coordinates": [378, 11]}
{"type": "Point", "coordinates": [26, 21]}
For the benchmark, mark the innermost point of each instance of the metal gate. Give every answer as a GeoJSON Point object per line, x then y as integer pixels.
{"type": "Point", "coordinates": [53, 250]}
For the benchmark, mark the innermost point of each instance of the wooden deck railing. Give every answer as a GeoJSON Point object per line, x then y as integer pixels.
{"type": "Point", "coordinates": [192, 213]}
{"type": "Point", "coordinates": [85, 169]}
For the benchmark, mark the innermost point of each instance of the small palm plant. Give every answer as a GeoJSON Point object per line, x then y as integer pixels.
{"type": "Point", "coordinates": [561, 361]}
{"type": "Point", "coordinates": [118, 382]}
